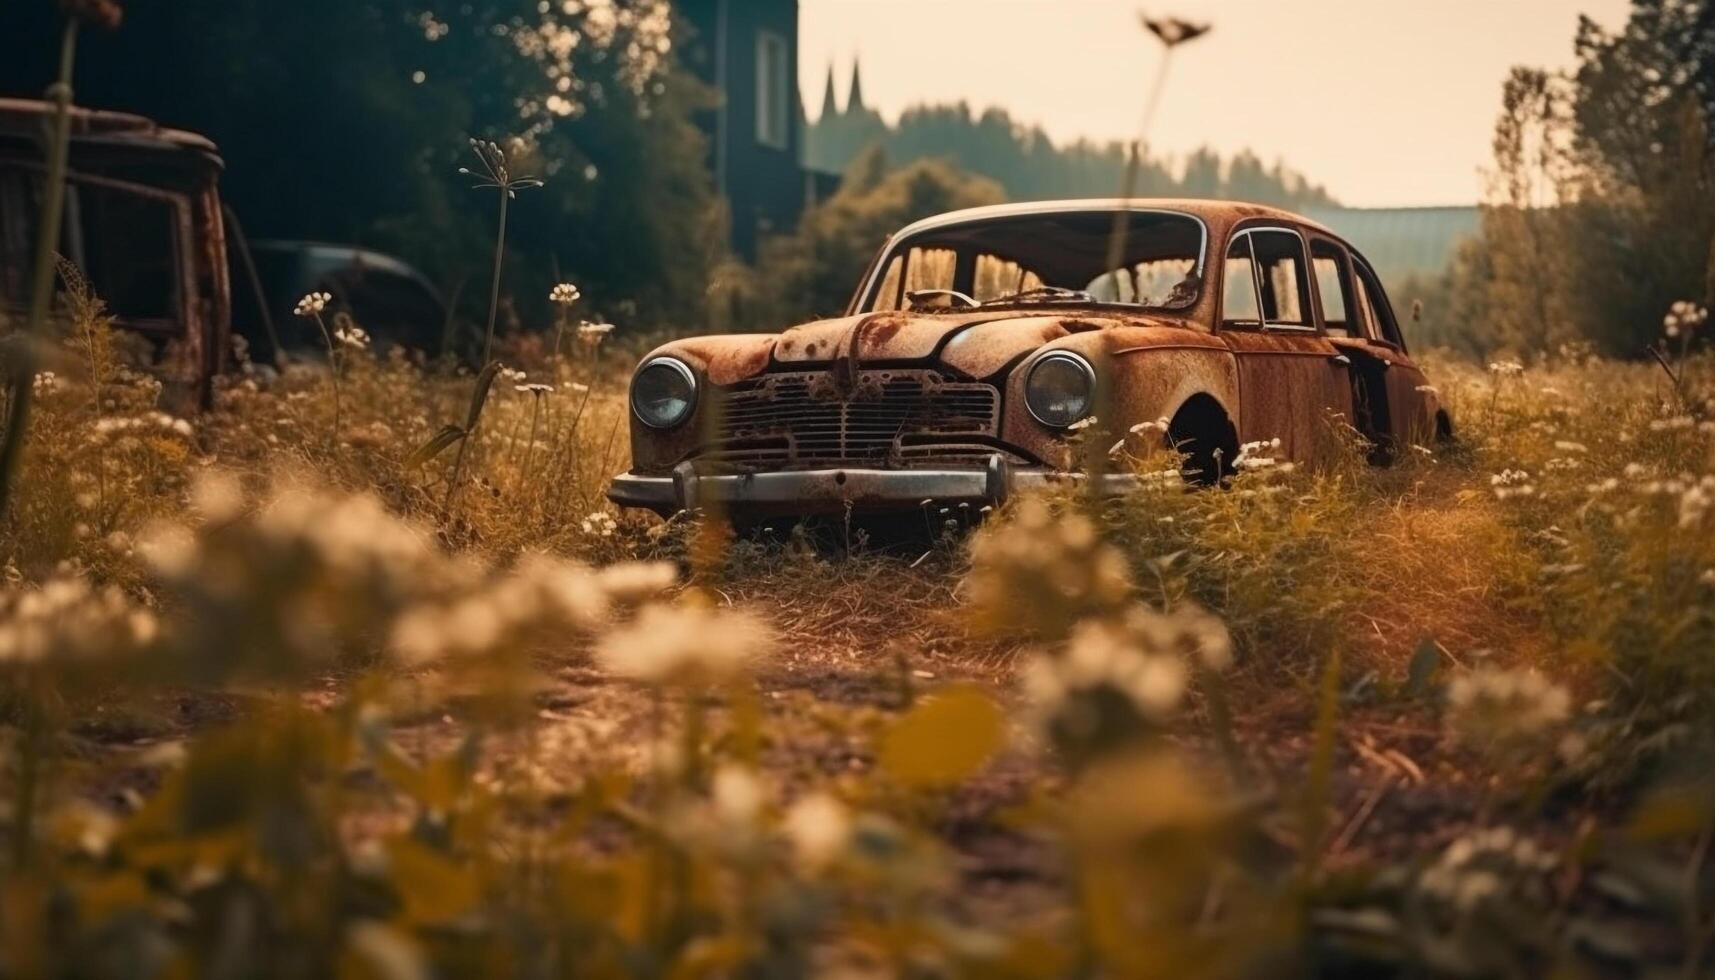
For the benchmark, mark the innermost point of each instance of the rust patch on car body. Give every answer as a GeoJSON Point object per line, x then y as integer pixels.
{"type": "Point", "coordinates": [723, 360]}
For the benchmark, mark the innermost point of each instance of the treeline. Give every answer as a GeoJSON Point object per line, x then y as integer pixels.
{"type": "Point", "coordinates": [1028, 165]}
{"type": "Point", "coordinates": [1601, 201]}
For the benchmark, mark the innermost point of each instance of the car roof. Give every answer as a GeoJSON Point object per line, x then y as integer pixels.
{"type": "Point", "coordinates": [104, 126]}
{"type": "Point", "coordinates": [1210, 211]}
{"type": "Point", "coordinates": [321, 258]}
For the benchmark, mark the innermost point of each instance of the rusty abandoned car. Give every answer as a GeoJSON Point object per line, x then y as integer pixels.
{"type": "Point", "coordinates": [980, 341]}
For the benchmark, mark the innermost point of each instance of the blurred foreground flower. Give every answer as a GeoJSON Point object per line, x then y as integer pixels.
{"type": "Point", "coordinates": [1508, 713]}
{"type": "Point", "coordinates": [306, 575]}
{"type": "Point", "coordinates": [542, 599]}
{"type": "Point", "coordinates": [819, 828]}
{"type": "Point", "coordinates": [1486, 867]}
{"type": "Point", "coordinates": [1103, 693]}
{"type": "Point", "coordinates": [1059, 562]}
{"type": "Point", "coordinates": [685, 645]}
{"type": "Point", "coordinates": [68, 620]}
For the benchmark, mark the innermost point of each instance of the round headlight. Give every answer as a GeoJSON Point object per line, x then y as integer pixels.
{"type": "Point", "coordinates": [1060, 390]}
{"type": "Point", "coordinates": [663, 393]}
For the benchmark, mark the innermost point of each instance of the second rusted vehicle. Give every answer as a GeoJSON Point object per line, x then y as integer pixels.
{"type": "Point", "coordinates": [980, 341]}
{"type": "Point", "coordinates": [144, 224]}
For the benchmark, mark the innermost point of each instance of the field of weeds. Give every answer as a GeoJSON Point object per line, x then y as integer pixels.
{"type": "Point", "coordinates": [284, 694]}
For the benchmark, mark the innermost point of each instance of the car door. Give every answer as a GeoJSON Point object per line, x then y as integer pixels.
{"type": "Point", "coordinates": [1290, 377]}
{"type": "Point", "coordinates": [1411, 418]}
{"type": "Point", "coordinates": [1343, 324]}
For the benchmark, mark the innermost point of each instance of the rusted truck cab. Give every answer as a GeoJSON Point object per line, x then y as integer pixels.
{"type": "Point", "coordinates": [143, 222]}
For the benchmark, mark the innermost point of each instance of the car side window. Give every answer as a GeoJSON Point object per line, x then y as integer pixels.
{"type": "Point", "coordinates": [1281, 277]}
{"type": "Point", "coordinates": [1239, 307]}
{"type": "Point", "coordinates": [1334, 285]}
{"type": "Point", "coordinates": [1374, 302]}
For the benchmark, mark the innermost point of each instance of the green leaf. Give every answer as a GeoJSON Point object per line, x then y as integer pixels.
{"type": "Point", "coordinates": [435, 446]}
{"type": "Point", "coordinates": [944, 739]}
{"type": "Point", "coordinates": [479, 397]}
{"type": "Point", "coordinates": [1420, 675]}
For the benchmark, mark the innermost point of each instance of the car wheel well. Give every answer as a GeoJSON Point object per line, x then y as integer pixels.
{"type": "Point", "coordinates": [1203, 433]}
{"type": "Point", "coordinates": [1443, 426]}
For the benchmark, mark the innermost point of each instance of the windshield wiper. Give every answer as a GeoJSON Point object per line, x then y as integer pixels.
{"type": "Point", "coordinates": [1044, 294]}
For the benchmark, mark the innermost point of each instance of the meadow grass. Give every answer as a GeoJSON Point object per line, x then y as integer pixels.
{"type": "Point", "coordinates": [273, 707]}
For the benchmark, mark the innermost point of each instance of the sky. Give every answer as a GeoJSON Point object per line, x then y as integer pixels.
{"type": "Point", "coordinates": [1385, 102]}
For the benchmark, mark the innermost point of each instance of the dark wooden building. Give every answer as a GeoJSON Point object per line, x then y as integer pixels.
{"type": "Point", "coordinates": [748, 51]}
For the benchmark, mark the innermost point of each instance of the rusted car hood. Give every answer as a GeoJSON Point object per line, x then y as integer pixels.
{"type": "Point", "coordinates": [977, 343]}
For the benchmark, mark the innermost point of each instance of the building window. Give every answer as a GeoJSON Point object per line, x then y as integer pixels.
{"type": "Point", "coordinates": [773, 90]}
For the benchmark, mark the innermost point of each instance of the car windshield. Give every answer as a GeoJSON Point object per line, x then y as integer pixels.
{"type": "Point", "coordinates": [1056, 257]}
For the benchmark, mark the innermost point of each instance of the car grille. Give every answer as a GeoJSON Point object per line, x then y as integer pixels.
{"type": "Point", "coordinates": [887, 419]}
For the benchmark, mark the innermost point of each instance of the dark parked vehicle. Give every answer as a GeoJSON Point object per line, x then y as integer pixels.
{"type": "Point", "coordinates": [980, 341]}
{"type": "Point", "coordinates": [395, 303]}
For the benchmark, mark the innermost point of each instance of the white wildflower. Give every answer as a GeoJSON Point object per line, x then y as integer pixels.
{"type": "Point", "coordinates": [352, 336]}
{"type": "Point", "coordinates": [1674, 423]}
{"type": "Point", "coordinates": [594, 333]}
{"type": "Point", "coordinates": [600, 525]}
{"type": "Point", "coordinates": [313, 304]}
{"type": "Point", "coordinates": [1512, 483]}
{"type": "Point", "coordinates": [1159, 425]}
{"type": "Point", "coordinates": [1683, 317]}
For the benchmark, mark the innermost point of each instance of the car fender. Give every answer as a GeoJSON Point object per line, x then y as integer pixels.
{"type": "Point", "coordinates": [1148, 374]}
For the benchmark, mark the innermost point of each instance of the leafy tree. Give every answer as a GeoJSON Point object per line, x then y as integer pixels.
{"type": "Point", "coordinates": [1645, 144]}
{"type": "Point", "coordinates": [347, 120]}
{"type": "Point", "coordinates": [814, 272]}
{"type": "Point", "coordinates": [1029, 166]}
{"type": "Point", "coordinates": [1602, 210]}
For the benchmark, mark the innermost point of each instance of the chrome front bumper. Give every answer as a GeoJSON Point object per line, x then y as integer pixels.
{"type": "Point", "coordinates": [833, 491]}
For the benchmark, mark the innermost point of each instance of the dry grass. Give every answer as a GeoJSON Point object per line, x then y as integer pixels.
{"type": "Point", "coordinates": [1371, 613]}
